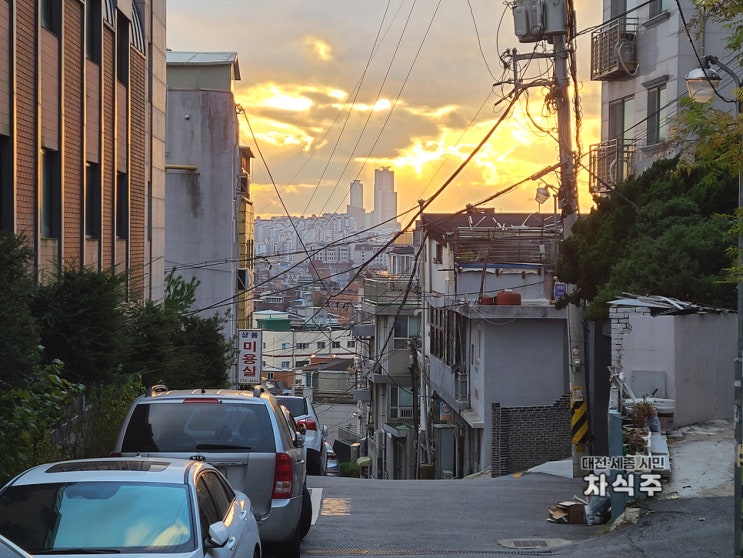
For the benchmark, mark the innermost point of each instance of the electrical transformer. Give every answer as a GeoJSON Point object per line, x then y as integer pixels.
{"type": "Point", "coordinates": [535, 20]}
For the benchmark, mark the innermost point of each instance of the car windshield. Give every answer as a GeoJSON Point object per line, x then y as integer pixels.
{"type": "Point", "coordinates": [85, 517]}
{"type": "Point", "coordinates": [175, 426]}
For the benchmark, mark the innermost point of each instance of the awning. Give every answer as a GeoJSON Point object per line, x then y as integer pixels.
{"type": "Point", "coordinates": [472, 418]}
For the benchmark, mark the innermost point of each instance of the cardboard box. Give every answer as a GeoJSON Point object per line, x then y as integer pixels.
{"type": "Point", "coordinates": [568, 512]}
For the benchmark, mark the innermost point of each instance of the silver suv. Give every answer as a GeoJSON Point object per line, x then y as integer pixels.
{"type": "Point", "coordinates": [245, 435]}
{"type": "Point", "coordinates": [316, 434]}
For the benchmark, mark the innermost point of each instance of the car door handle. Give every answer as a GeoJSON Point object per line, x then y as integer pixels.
{"type": "Point", "coordinates": [243, 515]}
{"type": "Point", "coordinates": [231, 543]}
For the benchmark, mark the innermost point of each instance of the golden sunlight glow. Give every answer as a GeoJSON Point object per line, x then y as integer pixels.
{"type": "Point", "coordinates": [320, 48]}
{"type": "Point", "coordinates": [275, 133]}
{"type": "Point", "coordinates": [382, 104]}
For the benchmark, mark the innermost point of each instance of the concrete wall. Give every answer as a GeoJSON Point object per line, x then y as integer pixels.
{"type": "Point", "coordinates": [689, 358]}
{"type": "Point", "coordinates": [200, 210]}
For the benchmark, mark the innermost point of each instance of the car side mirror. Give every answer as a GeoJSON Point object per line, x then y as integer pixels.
{"type": "Point", "coordinates": [302, 429]}
{"type": "Point", "coordinates": [299, 440]}
{"type": "Point", "coordinates": [218, 535]}
{"type": "Point", "coordinates": [325, 430]}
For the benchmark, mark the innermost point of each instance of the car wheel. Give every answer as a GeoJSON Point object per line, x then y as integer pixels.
{"type": "Point", "coordinates": [305, 520]}
{"type": "Point", "coordinates": [290, 548]}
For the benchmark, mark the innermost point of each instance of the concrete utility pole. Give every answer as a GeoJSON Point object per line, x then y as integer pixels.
{"type": "Point", "coordinates": [553, 20]}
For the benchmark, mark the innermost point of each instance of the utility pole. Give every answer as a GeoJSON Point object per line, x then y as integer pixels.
{"type": "Point", "coordinates": [414, 373]}
{"type": "Point", "coordinates": [554, 21]}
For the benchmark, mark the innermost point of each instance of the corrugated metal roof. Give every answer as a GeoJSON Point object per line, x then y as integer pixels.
{"type": "Point", "coordinates": [663, 305]}
{"type": "Point", "coordinates": [204, 58]}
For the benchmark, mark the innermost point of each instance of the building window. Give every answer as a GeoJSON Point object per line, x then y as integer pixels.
{"type": "Point", "coordinates": [405, 328]}
{"type": "Point", "coordinates": [657, 115]}
{"type": "Point", "coordinates": [286, 364]}
{"type": "Point", "coordinates": [336, 345]}
{"type": "Point", "coordinates": [51, 195]}
{"type": "Point", "coordinates": [92, 201]}
{"type": "Point", "coordinates": [6, 185]}
{"type": "Point", "coordinates": [122, 48]}
{"type": "Point", "coordinates": [621, 117]}
{"type": "Point", "coordinates": [657, 7]}
{"type": "Point", "coordinates": [51, 15]}
{"type": "Point", "coordinates": [351, 344]}
{"type": "Point", "coordinates": [285, 346]}
{"type": "Point", "coordinates": [321, 344]}
{"type": "Point", "coordinates": [310, 379]}
{"type": "Point", "coordinates": [303, 346]}
{"type": "Point", "coordinates": [122, 205]}
{"type": "Point", "coordinates": [301, 363]}
{"type": "Point", "coordinates": [401, 403]}
{"type": "Point", "coordinates": [93, 22]}
{"type": "Point", "coordinates": [622, 132]}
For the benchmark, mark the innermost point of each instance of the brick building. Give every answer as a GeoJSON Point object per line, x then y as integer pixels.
{"type": "Point", "coordinates": [82, 135]}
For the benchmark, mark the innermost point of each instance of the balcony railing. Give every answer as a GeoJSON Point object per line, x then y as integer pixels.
{"type": "Point", "coordinates": [611, 163]}
{"type": "Point", "coordinates": [394, 292]}
{"type": "Point", "coordinates": [614, 50]}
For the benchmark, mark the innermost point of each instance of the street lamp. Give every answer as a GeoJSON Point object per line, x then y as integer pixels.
{"type": "Point", "coordinates": [702, 84]}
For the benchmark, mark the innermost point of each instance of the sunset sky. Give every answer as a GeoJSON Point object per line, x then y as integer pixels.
{"type": "Point", "coordinates": [333, 89]}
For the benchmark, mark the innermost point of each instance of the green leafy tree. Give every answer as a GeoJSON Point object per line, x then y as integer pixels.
{"type": "Point", "coordinates": [80, 316]}
{"type": "Point", "coordinates": [174, 347]}
{"type": "Point", "coordinates": [31, 416]}
{"type": "Point", "coordinates": [666, 233]}
{"type": "Point", "coordinates": [727, 12]}
{"type": "Point", "coordinates": [20, 356]}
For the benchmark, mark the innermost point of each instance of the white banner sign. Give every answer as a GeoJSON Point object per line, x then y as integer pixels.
{"type": "Point", "coordinates": [250, 346]}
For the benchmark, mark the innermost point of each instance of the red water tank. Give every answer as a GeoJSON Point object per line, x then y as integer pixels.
{"type": "Point", "coordinates": [508, 297]}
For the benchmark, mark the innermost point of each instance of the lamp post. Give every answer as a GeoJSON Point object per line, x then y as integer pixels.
{"type": "Point", "coordinates": [702, 84]}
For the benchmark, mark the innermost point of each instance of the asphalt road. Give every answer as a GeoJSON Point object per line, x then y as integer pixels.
{"type": "Point", "coordinates": [506, 516]}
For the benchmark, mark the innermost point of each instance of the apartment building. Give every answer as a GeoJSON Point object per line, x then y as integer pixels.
{"type": "Point", "coordinates": [82, 126]}
{"type": "Point", "coordinates": [641, 54]}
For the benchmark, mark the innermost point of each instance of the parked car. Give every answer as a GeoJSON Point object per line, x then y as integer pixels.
{"type": "Point", "coordinates": [315, 434]}
{"type": "Point", "coordinates": [333, 465]}
{"type": "Point", "coordinates": [8, 549]}
{"type": "Point", "coordinates": [133, 506]}
{"type": "Point", "coordinates": [244, 434]}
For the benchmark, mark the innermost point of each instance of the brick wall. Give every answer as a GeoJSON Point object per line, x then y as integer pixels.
{"type": "Point", "coordinates": [26, 120]}
{"type": "Point", "coordinates": [108, 84]}
{"type": "Point", "coordinates": [527, 436]}
{"type": "Point", "coordinates": [138, 179]}
{"type": "Point", "coordinates": [73, 164]}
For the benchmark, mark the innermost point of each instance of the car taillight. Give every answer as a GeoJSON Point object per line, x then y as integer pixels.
{"type": "Point", "coordinates": [283, 476]}
{"type": "Point", "coordinates": [115, 454]}
{"type": "Point", "coordinates": [308, 423]}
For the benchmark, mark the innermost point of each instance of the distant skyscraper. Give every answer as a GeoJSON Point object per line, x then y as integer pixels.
{"type": "Point", "coordinates": [356, 204]}
{"type": "Point", "coordinates": [385, 199]}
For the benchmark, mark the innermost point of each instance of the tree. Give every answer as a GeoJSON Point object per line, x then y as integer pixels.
{"type": "Point", "coordinates": [727, 12]}
{"type": "Point", "coordinates": [174, 347]}
{"type": "Point", "coordinates": [82, 323]}
{"type": "Point", "coordinates": [20, 357]}
{"type": "Point", "coordinates": [667, 233]}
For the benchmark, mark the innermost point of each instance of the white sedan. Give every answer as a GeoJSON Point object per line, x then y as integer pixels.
{"type": "Point", "coordinates": [130, 505]}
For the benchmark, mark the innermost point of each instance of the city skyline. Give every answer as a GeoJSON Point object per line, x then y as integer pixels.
{"type": "Point", "coordinates": [331, 94]}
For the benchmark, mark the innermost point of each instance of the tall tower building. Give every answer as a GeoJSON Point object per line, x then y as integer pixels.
{"type": "Point", "coordinates": [385, 200]}
{"type": "Point", "coordinates": [356, 204]}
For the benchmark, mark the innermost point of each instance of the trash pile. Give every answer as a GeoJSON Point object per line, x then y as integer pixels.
{"type": "Point", "coordinates": [595, 510]}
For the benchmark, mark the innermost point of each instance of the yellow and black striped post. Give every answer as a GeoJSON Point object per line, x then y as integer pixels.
{"type": "Point", "coordinates": [578, 417]}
